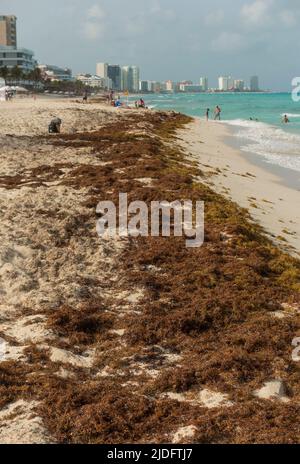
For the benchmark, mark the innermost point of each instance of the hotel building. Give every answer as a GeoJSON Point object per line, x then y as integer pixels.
{"type": "Point", "coordinates": [254, 84]}
{"type": "Point", "coordinates": [54, 73]}
{"type": "Point", "coordinates": [130, 78]}
{"type": "Point", "coordinates": [10, 55]}
{"type": "Point", "coordinates": [110, 71]}
{"type": "Point", "coordinates": [8, 31]}
{"type": "Point", "coordinates": [226, 83]}
{"type": "Point", "coordinates": [204, 84]}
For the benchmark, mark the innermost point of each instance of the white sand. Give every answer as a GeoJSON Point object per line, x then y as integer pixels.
{"type": "Point", "coordinates": [34, 273]}
{"type": "Point", "coordinates": [271, 204]}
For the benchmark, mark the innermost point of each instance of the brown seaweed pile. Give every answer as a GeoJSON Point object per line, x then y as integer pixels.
{"type": "Point", "coordinates": [174, 321]}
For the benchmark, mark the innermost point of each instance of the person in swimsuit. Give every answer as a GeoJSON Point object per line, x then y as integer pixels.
{"type": "Point", "coordinates": [218, 113]}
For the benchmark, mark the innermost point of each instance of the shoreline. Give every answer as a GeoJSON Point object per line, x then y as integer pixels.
{"type": "Point", "coordinates": [139, 339]}
{"type": "Point", "coordinates": [286, 176]}
{"type": "Point", "coordinates": [267, 197]}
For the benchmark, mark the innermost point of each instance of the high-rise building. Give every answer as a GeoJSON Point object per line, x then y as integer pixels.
{"type": "Point", "coordinates": [8, 31]}
{"type": "Point", "coordinates": [155, 86]}
{"type": "Point", "coordinates": [204, 84]}
{"type": "Point", "coordinates": [254, 84]}
{"type": "Point", "coordinates": [169, 86]}
{"type": "Point", "coordinates": [101, 70]}
{"type": "Point", "coordinates": [239, 85]}
{"type": "Point", "coordinates": [10, 55]}
{"type": "Point", "coordinates": [145, 86]}
{"type": "Point", "coordinates": [114, 72]}
{"type": "Point", "coordinates": [110, 71]}
{"type": "Point", "coordinates": [225, 83]}
{"type": "Point", "coordinates": [130, 78]}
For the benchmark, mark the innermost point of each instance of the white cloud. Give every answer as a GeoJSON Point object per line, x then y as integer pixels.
{"type": "Point", "coordinates": [288, 18]}
{"type": "Point", "coordinates": [215, 18]}
{"type": "Point", "coordinates": [169, 15]}
{"type": "Point", "coordinates": [95, 12]}
{"type": "Point", "coordinates": [257, 12]}
{"type": "Point", "coordinates": [94, 26]}
{"type": "Point", "coordinates": [229, 42]}
{"type": "Point", "coordinates": [93, 31]}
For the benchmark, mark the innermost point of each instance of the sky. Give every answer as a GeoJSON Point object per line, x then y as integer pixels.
{"type": "Point", "coordinates": [168, 39]}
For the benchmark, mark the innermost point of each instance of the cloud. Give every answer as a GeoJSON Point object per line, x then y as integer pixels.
{"type": "Point", "coordinates": [94, 26]}
{"type": "Point", "coordinates": [93, 31]}
{"type": "Point", "coordinates": [229, 42]}
{"type": "Point", "coordinates": [95, 12]}
{"type": "Point", "coordinates": [288, 18]}
{"type": "Point", "coordinates": [257, 13]}
{"type": "Point", "coordinates": [215, 18]}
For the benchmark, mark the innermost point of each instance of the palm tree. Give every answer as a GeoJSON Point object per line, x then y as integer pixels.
{"type": "Point", "coordinates": [4, 72]}
{"type": "Point", "coordinates": [16, 73]}
{"type": "Point", "coordinates": [35, 75]}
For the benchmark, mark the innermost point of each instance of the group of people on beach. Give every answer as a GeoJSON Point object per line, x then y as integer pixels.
{"type": "Point", "coordinates": [217, 113]}
{"type": "Point", "coordinates": [9, 95]}
{"type": "Point", "coordinates": [140, 104]}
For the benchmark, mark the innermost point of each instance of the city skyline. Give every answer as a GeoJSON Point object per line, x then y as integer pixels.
{"type": "Point", "coordinates": [166, 38]}
{"type": "Point", "coordinates": [108, 76]}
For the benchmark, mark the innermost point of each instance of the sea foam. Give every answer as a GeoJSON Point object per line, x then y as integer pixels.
{"type": "Point", "coordinates": [275, 145]}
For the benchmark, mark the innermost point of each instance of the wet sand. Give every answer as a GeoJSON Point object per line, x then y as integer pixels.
{"type": "Point", "coordinates": [271, 202]}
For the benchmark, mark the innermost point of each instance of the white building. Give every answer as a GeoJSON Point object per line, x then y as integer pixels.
{"type": "Point", "coordinates": [101, 70]}
{"type": "Point", "coordinates": [131, 78]}
{"type": "Point", "coordinates": [169, 86]}
{"type": "Point", "coordinates": [225, 83]}
{"type": "Point", "coordinates": [55, 73]}
{"type": "Point", "coordinates": [204, 84]}
{"type": "Point", "coordinates": [94, 81]}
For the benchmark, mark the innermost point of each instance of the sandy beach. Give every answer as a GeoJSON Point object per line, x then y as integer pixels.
{"type": "Point", "coordinates": [141, 340]}
{"type": "Point", "coordinates": [271, 203]}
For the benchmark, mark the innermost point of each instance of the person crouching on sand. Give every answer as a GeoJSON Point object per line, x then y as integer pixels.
{"type": "Point", "coordinates": [55, 126]}
{"type": "Point", "coordinates": [218, 113]}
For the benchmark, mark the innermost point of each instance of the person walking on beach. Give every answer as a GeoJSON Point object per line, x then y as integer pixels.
{"type": "Point", "coordinates": [207, 114]}
{"type": "Point", "coordinates": [85, 97]}
{"type": "Point", "coordinates": [218, 113]}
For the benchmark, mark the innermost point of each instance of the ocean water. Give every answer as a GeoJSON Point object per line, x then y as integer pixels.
{"type": "Point", "coordinates": [269, 138]}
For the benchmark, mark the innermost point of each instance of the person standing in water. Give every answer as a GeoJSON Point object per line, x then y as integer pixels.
{"type": "Point", "coordinates": [218, 113]}
{"type": "Point", "coordinates": [207, 114]}
{"type": "Point", "coordinates": [285, 119]}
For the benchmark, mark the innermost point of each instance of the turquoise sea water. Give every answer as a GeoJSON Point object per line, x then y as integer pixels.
{"type": "Point", "coordinates": [275, 142]}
